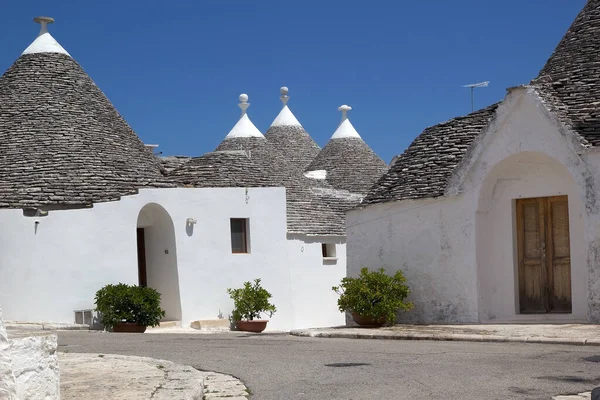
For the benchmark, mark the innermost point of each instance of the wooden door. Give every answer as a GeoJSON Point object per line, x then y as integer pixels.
{"type": "Point", "coordinates": [141, 253]}
{"type": "Point", "coordinates": [544, 255]}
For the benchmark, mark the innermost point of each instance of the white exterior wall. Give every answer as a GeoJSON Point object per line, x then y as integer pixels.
{"type": "Point", "coordinates": [312, 279]}
{"type": "Point", "coordinates": [48, 271]}
{"type": "Point", "coordinates": [429, 241]}
{"type": "Point", "coordinates": [523, 175]}
{"type": "Point", "coordinates": [459, 252]}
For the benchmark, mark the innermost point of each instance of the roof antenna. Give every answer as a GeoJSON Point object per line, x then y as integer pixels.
{"type": "Point", "coordinates": [284, 95]}
{"type": "Point", "coordinates": [244, 103]}
{"type": "Point", "coordinates": [43, 21]}
{"type": "Point", "coordinates": [472, 86]}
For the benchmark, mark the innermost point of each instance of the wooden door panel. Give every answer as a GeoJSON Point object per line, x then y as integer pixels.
{"type": "Point", "coordinates": [530, 237]}
{"type": "Point", "coordinates": [560, 292]}
{"type": "Point", "coordinates": [531, 232]}
{"type": "Point", "coordinates": [559, 255]}
{"type": "Point", "coordinates": [544, 255]}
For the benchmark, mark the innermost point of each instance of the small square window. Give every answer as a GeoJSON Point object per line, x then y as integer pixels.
{"type": "Point", "coordinates": [239, 235]}
{"type": "Point", "coordinates": [328, 250]}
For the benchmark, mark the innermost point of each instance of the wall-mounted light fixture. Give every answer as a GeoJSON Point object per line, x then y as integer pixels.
{"type": "Point", "coordinates": [191, 221]}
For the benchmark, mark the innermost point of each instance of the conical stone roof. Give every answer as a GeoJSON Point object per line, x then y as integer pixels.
{"type": "Point", "coordinates": [289, 137]}
{"type": "Point", "coordinates": [238, 161]}
{"type": "Point", "coordinates": [347, 162]}
{"type": "Point", "coordinates": [570, 80]}
{"type": "Point", "coordinates": [245, 158]}
{"type": "Point", "coordinates": [62, 143]}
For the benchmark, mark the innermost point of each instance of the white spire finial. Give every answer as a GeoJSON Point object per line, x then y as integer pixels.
{"type": "Point", "coordinates": [284, 95]}
{"type": "Point", "coordinates": [43, 21]}
{"type": "Point", "coordinates": [344, 109]}
{"type": "Point", "coordinates": [244, 103]}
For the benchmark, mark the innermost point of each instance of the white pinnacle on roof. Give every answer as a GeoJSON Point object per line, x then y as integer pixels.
{"type": "Point", "coordinates": [44, 43]}
{"type": "Point", "coordinates": [244, 127]}
{"type": "Point", "coordinates": [285, 116]}
{"type": "Point", "coordinates": [345, 129]}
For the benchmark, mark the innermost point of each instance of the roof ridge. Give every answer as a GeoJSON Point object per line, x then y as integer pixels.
{"type": "Point", "coordinates": [461, 117]}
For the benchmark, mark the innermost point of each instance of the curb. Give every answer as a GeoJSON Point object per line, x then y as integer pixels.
{"type": "Point", "coordinates": [220, 386]}
{"type": "Point", "coordinates": [43, 326]}
{"type": "Point", "coordinates": [441, 337]}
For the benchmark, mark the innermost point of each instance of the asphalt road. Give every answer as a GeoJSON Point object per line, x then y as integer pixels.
{"type": "Point", "coordinates": [278, 366]}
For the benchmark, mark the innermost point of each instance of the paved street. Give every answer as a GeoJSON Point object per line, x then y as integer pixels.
{"type": "Point", "coordinates": [278, 366]}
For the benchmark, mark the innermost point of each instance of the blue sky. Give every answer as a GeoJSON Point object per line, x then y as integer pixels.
{"type": "Point", "coordinates": [175, 69]}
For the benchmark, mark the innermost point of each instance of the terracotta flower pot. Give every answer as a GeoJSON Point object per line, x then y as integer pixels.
{"type": "Point", "coordinates": [368, 321]}
{"type": "Point", "coordinates": [129, 327]}
{"type": "Point", "coordinates": [256, 325]}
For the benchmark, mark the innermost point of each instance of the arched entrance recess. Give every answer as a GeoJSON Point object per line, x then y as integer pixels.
{"type": "Point", "coordinates": [530, 238]}
{"type": "Point", "coordinates": [157, 257]}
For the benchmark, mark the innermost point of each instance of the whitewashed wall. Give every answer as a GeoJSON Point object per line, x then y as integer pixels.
{"type": "Point", "coordinates": [430, 242]}
{"type": "Point", "coordinates": [8, 389]}
{"type": "Point", "coordinates": [459, 251]}
{"type": "Point", "coordinates": [50, 269]}
{"type": "Point", "coordinates": [311, 280]}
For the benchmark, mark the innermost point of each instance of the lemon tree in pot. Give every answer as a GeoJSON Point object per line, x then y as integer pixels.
{"type": "Point", "coordinates": [250, 301]}
{"type": "Point", "coordinates": [128, 308]}
{"type": "Point", "coordinates": [373, 298]}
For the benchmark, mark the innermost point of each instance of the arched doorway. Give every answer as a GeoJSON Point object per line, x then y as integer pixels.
{"type": "Point", "coordinates": [157, 257]}
{"type": "Point", "coordinates": [530, 242]}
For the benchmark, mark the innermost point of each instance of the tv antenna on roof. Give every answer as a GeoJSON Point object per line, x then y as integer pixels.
{"type": "Point", "coordinates": [472, 87]}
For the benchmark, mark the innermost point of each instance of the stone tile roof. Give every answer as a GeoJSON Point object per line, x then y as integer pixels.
{"type": "Point", "coordinates": [170, 163]}
{"type": "Point", "coordinates": [62, 143]}
{"type": "Point", "coordinates": [570, 81]}
{"type": "Point", "coordinates": [423, 170]}
{"type": "Point", "coordinates": [294, 143]}
{"type": "Point", "coordinates": [350, 164]}
{"type": "Point", "coordinates": [255, 162]}
{"type": "Point", "coordinates": [221, 169]}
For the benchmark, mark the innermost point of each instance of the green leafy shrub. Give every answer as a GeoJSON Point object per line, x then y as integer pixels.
{"type": "Point", "coordinates": [374, 294]}
{"type": "Point", "coordinates": [250, 301]}
{"type": "Point", "coordinates": [125, 303]}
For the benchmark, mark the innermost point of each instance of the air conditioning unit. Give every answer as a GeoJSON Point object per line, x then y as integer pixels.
{"type": "Point", "coordinates": [84, 317]}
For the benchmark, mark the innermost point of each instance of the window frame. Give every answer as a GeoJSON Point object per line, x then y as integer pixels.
{"type": "Point", "coordinates": [244, 235]}
{"type": "Point", "coordinates": [329, 251]}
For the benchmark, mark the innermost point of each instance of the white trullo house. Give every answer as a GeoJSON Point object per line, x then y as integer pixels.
{"type": "Point", "coordinates": [495, 216]}
{"type": "Point", "coordinates": [84, 203]}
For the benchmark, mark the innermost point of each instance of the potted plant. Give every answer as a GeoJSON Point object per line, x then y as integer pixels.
{"type": "Point", "coordinates": [249, 302]}
{"type": "Point", "coordinates": [128, 308]}
{"type": "Point", "coordinates": [373, 298]}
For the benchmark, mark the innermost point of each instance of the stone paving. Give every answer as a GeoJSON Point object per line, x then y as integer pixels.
{"type": "Point", "coordinates": [86, 376]}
